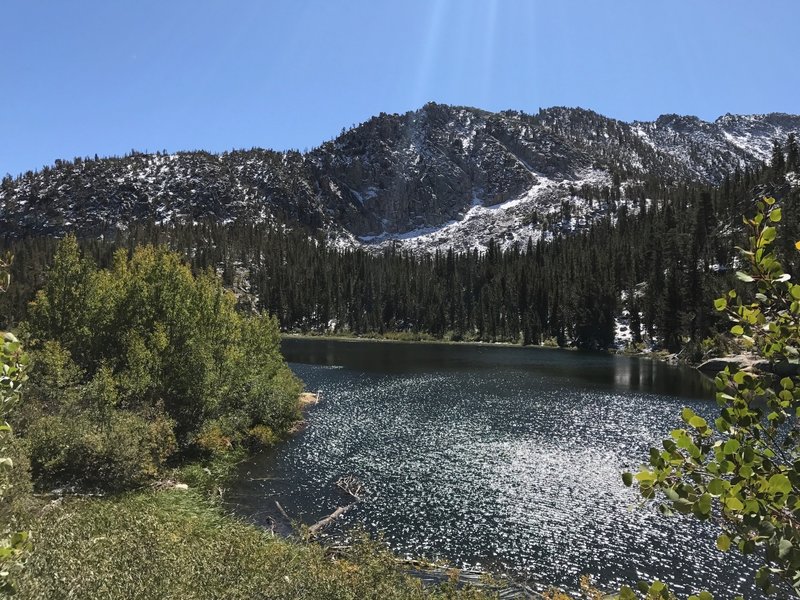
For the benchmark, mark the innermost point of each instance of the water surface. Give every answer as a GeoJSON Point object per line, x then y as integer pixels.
{"type": "Point", "coordinates": [507, 458]}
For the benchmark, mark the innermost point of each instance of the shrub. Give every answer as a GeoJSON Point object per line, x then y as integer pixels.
{"type": "Point", "coordinates": [550, 342]}
{"type": "Point", "coordinates": [14, 364]}
{"type": "Point", "coordinates": [213, 439]}
{"type": "Point", "coordinates": [146, 337]}
{"type": "Point", "coordinates": [262, 436]}
{"type": "Point", "coordinates": [120, 450]}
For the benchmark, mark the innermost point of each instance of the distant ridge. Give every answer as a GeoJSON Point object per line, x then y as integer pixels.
{"type": "Point", "coordinates": [438, 177]}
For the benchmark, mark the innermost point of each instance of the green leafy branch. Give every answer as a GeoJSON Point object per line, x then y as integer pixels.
{"type": "Point", "coordinates": [13, 374]}
{"type": "Point", "coordinates": [743, 470]}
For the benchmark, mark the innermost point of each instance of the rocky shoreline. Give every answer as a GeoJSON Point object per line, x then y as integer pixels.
{"type": "Point", "coordinates": [749, 362]}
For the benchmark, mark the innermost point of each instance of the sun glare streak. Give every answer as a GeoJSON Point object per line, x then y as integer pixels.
{"type": "Point", "coordinates": [430, 50]}
{"type": "Point", "coordinates": [489, 48]}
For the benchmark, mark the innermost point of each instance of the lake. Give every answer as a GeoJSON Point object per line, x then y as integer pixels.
{"type": "Point", "coordinates": [505, 458]}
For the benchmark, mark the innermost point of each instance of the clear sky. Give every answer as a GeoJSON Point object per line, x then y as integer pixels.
{"type": "Point", "coordinates": [103, 76]}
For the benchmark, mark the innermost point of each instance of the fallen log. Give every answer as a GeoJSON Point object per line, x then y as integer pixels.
{"type": "Point", "coordinates": [283, 512]}
{"type": "Point", "coordinates": [323, 523]}
{"type": "Point", "coordinates": [350, 485]}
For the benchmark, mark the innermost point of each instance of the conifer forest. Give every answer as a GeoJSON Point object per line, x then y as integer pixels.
{"type": "Point", "coordinates": [657, 260]}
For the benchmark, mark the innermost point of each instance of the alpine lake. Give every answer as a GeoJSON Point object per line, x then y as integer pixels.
{"type": "Point", "coordinates": [500, 458]}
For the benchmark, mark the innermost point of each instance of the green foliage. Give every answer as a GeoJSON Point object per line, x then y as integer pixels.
{"type": "Point", "coordinates": [174, 544]}
{"type": "Point", "coordinates": [13, 374]}
{"type": "Point", "coordinates": [145, 358]}
{"type": "Point", "coordinates": [13, 366]}
{"type": "Point", "coordinates": [743, 470]}
{"type": "Point", "coordinates": [124, 449]}
{"type": "Point", "coordinates": [212, 473]}
{"type": "Point", "coordinates": [13, 361]}
{"type": "Point", "coordinates": [660, 254]}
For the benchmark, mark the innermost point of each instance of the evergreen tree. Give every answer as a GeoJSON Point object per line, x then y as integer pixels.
{"type": "Point", "coordinates": [778, 163]}
{"type": "Point", "coordinates": [665, 256]}
{"type": "Point", "coordinates": [792, 153]}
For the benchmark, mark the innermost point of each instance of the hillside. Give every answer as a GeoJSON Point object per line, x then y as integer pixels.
{"type": "Point", "coordinates": [438, 177]}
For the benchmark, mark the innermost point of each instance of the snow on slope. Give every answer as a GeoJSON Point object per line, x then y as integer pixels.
{"type": "Point", "coordinates": [507, 223]}
{"type": "Point", "coordinates": [436, 178]}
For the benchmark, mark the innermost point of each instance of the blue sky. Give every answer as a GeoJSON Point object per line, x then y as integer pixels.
{"type": "Point", "coordinates": [104, 77]}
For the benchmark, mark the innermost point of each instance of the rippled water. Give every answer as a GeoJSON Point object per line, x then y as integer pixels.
{"type": "Point", "coordinates": [508, 458]}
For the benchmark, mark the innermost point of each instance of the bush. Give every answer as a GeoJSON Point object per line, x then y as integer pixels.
{"type": "Point", "coordinates": [121, 450]}
{"type": "Point", "coordinates": [213, 438]}
{"type": "Point", "coordinates": [14, 363]}
{"type": "Point", "coordinates": [550, 342]}
{"type": "Point", "coordinates": [262, 436]}
{"type": "Point", "coordinates": [166, 336]}
{"type": "Point", "coordinates": [122, 355]}
{"type": "Point", "coordinates": [695, 351]}
{"type": "Point", "coordinates": [209, 475]}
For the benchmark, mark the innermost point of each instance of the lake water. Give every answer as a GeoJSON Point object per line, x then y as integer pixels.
{"type": "Point", "coordinates": [499, 457]}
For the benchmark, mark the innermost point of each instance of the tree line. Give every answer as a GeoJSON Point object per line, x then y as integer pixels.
{"type": "Point", "coordinates": [654, 264]}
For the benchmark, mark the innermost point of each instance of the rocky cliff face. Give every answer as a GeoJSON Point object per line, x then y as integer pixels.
{"type": "Point", "coordinates": [441, 176]}
{"type": "Point", "coordinates": [94, 196]}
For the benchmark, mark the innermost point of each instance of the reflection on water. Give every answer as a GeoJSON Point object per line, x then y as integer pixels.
{"type": "Point", "coordinates": [628, 373]}
{"type": "Point", "coordinates": [508, 458]}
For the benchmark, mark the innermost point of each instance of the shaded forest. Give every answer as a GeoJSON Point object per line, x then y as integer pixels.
{"type": "Point", "coordinates": [657, 260]}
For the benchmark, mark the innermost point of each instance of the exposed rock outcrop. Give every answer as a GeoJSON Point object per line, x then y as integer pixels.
{"type": "Point", "coordinates": [441, 176]}
{"type": "Point", "coordinates": [751, 363]}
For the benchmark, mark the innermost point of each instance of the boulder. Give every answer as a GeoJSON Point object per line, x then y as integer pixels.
{"type": "Point", "coordinates": [749, 362]}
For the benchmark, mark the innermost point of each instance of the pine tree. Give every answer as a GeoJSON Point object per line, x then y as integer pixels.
{"type": "Point", "coordinates": [778, 163]}
{"type": "Point", "coordinates": [792, 153]}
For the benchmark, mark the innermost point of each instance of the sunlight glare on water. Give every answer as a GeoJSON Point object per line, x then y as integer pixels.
{"type": "Point", "coordinates": [500, 457]}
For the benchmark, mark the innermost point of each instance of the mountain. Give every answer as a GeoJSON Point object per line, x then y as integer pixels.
{"type": "Point", "coordinates": [439, 177]}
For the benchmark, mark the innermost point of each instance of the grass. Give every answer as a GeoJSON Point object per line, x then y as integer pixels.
{"type": "Point", "coordinates": [178, 544]}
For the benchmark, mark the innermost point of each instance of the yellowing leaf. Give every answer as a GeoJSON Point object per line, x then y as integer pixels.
{"type": "Point", "coordinates": [724, 542]}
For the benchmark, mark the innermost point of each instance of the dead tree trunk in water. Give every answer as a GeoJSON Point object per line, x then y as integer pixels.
{"type": "Point", "coordinates": [351, 486]}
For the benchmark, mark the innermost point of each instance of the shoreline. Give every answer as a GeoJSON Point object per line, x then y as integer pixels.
{"type": "Point", "coordinates": [440, 342]}
{"type": "Point", "coordinates": [655, 355]}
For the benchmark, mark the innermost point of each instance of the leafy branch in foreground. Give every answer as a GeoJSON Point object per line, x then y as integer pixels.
{"type": "Point", "coordinates": [743, 470]}
{"type": "Point", "coordinates": [13, 366]}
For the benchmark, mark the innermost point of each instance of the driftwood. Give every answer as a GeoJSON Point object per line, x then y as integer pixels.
{"type": "Point", "coordinates": [323, 523]}
{"type": "Point", "coordinates": [283, 512]}
{"type": "Point", "coordinates": [351, 486]}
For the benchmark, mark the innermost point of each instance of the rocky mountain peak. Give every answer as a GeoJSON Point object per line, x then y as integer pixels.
{"type": "Point", "coordinates": [438, 177]}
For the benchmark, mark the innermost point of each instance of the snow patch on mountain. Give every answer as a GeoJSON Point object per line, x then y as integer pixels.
{"type": "Point", "coordinates": [436, 178]}
{"type": "Point", "coordinates": [508, 223]}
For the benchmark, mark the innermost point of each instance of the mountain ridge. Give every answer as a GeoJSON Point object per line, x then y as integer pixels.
{"type": "Point", "coordinates": [439, 177]}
